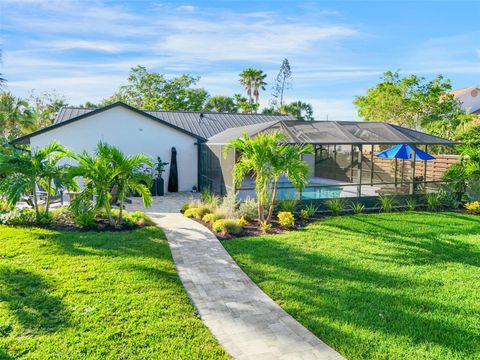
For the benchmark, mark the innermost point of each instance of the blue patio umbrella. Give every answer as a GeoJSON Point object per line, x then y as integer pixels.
{"type": "Point", "coordinates": [404, 152]}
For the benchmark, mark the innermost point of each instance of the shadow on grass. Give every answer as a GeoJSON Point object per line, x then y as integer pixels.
{"type": "Point", "coordinates": [321, 290]}
{"type": "Point", "coordinates": [28, 297]}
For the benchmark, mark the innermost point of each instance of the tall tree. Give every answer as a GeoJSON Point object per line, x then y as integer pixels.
{"type": "Point", "coordinates": [282, 82]}
{"type": "Point", "coordinates": [244, 104]}
{"type": "Point", "coordinates": [299, 109]}
{"type": "Point", "coordinates": [411, 101]}
{"type": "Point", "coordinates": [221, 103]}
{"type": "Point", "coordinates": [45, 107]}
{"type": "Point", "coordinates": [16, 116]}
{"type": "Point", "coordinates": [246, 80]}
{"type": "Point", "coordinates": [258, 84]}
{"type": "Point", "coordinates": [153, 91]}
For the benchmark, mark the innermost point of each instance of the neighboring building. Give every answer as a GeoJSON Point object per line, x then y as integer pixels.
{"type": "Point", "coordinates": [469, 97]}
{"type": "Point", "coordinates": [343, 164]}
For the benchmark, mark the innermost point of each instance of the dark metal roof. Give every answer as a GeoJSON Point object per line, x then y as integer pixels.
{"type": "Point", "coordinates": [335, 132]}
{"type": "Point", "coordinates": [204, 124]}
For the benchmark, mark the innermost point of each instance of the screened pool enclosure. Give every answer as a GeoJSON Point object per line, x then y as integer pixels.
{"type": "Point", "coordinates": [344, 164]}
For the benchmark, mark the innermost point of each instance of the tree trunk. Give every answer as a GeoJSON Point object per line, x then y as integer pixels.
{"type": "Point", "coordinates": [47, 201]}
{"type": "Point", "coordinates": [273, 199]}
{"type": "Point", "coordinates": [281, 93]}
{"type": "Point", "coordinates": [261, 215]}
{"type": "Point", "coordinates": [35, 201]}
{"type": "Point", "coordinates": [120, 213]}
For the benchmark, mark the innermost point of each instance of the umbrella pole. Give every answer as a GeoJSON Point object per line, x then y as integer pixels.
{"type": "Point", "coordinates": [396, 170]}
{"type": "Point", "coordinates": [403, 170]}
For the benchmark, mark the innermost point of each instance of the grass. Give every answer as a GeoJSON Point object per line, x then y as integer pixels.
{"type": "Point", "coordinates": [383, 286]}
{"type": "Point", "coordinates": [70, 295]}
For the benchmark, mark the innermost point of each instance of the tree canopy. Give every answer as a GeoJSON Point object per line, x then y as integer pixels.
{"type": "Point", "coordinates": [414, 102]}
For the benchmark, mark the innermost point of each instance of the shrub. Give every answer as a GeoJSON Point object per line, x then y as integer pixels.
{"type": "Point", "coordinates": [209, 198]}
{"type": "Point", "coordinates": [83, 211]}
{"type": "Point", "coordinates": [227, 226]}
{"type": "Point", "coordinates": [265, 226]}
{"type": "Point", "coordinates": [433, 201]}
{"type": "Point", "coordinates": [336, 206]}
{"type": "Point", "coordinates": [190, 212]}
{"type": "Point", "coordinates": [448, 197]}
{"type": "Point", "coordinates": [286, 219]}
{"type": "Point", "coordinates": [357, 207]}
{"type": "Point", "coordinates": [18, 217]}
{"type": "Point", "coordinates": [212, 217]}
{"type": "Point", "coordinates": [44, 219]}
{"type": "Point", "coordinates": [387, 203]}
{"type": "Point", "coordinates": [248, 209]}
{"type": "Point", "coordinates": [473, 191]}
{"type": "Point", "coordinates": [138, 218]}
{"type": "Point", "coordinates": [304, 214]}
{"type": "Point", "coordinates": [187, 206]}
{"type": "Point", "coordinates": [242, 222]}
{"type": "Point", "coordinates": [311, 209]}
{"type": "Point", "coordinates": [287, 205]}
{"type": "Point", "coordinates": [411, 204]}
{"type": "Point", "coordinates": [4, 206]}
{"type": "Point", "coordinates": [228, 205]}
{"type": "Point", "coordinates": [473, 207]}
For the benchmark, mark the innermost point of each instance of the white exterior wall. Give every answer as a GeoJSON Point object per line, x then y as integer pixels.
{"type": "Point", "coordinates": [132, 133]}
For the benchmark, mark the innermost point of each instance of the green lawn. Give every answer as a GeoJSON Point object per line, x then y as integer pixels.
{"type": "Point", "coordinates": [95, 295]}
{"type": "Point", "coordinates": [383, 286]}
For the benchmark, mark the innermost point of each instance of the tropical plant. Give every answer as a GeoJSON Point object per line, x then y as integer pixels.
{"type": "Point", "coordinates": [209, 198]}
{"type": "Point", "coordinates": [253, 81]}
{"type": "Point", "coordinates": [222, 103]}
{"type": "Point", "coordinates": [472, 191]}
{"type": "Point", "coordinates": [299, 109]}
{"type": "Point", "coordinates": [304, 214]}
{"type": "Point", "coordinates": [265, 226]}
{"type": "Point", "coordinates": [433, 201]}
{"type": "Point", "coordinates": [287, 160]}
{"type": "Point", "coordinates": [83, 211]}
{"type": "Point", "coordinates": [286, 219]}
{"type": "Point", "coordinates": [288, 205]}
{"type": "Point", "coordinates": [210, 218]}
{"type": "Point", "coordinates": [387, 203]}
{"type": "Point", "coordinates": [466, 172]}
{"type": "Point", "coordinates": [411, 203]}
{"type": "Point", "coordinates": [16, 116]}
{"type": "Point", "coordinates": [311, 209]}
{"type": "Point", "coordinates": [357, 207]}
{"type": "Point", "coordinates": [242, 221]}
{"type": "Point", "coordinates": [336, 206]}
{"type": "Point", "coordinates": [448, 197]}
{"type": "Point", "coordinates": [248, 209]}
{"type": "Point", "coordinates": [24, 171]}
{"type": "Point", "coordinates": [473, 207]}
{"type": "Point", "coordinates": [109, 170]}
{"type": "Point", "coordinates": [227, 226]}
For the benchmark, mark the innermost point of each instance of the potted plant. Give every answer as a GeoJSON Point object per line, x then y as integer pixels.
{"type": "Point", "coordinates": [158, 186]}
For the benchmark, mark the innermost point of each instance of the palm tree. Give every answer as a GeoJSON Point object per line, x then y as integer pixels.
{"type": "Point", "coordinates": [130, 177]}
{"type": "Point", "coordinates": [107, 169]}
{"type": "Point", "coordinates": [300, 110]}
{"type": "Point", "coordinates": [247, 77]}
{"type": "Point", "coordinates": [221, 103]}
{"type": "Point", "coordinates": [24, 171]}
{"type": "Point", "coordinates": [258, 83]}
{"type": "Point", "coordinates": [16, 117]}
{"type": "Point", "coordinates": [287, 160]}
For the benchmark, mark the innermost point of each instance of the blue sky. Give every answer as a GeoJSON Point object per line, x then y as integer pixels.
{"type": "Point", "coordinates": [84, 49]}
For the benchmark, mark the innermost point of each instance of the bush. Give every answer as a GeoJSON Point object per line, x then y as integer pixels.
{"type": "Point", "coordinates": [212, 217]}
{"type": "Point", "coordinates": [18, 217]}
{"type": "Point", "coordinates": [411, 204]}
{"type": "Point", "coordinates": [227, 226]}
{"type": "Point", "coordinates": [83, 212]}
{"type": "Point", "coordinates": [209, 198]}
{"type": "Point", "coordinates": [187, 206]}
{"type": "Point", "coordinates": [248, 209]}
{"type": "Point", "coordinates": [265, 226]}
{"type": "Point", "coordinates": [228, 205]}
{"type": "Point", "coordinates": [286, 219]}
{"type": "Point", "coordinates": [287, 205]}
{"type": "Point", "coordinates": [304, 214]}
{"type": "Point", "coordinates": [387, 203]}
{"type": "Point", "coordinates": [138, 218]}
{"type": "Point", "coordinates": [433, 201]}
{"type": "Point", "coordinates": [473, 207]}
{"type": "Point", "coordinates": [311, 209]}
{"type": "Point", "coordinates": [336, 206]}
{"type": "Point", "coordinates": [473, 191]}
{"type": "Point", "coordinates": [44, 219]}
{"type": "Point", "coordinates": [242, 222]}
{"type": "Point", "coordinates": [190, 212]}
{"type": "Point", "coordinates": [4, 206]}
{"type": "Point", "coordinates": [448, 197]}
{"type": "Point", "coordinates": [357, 207]}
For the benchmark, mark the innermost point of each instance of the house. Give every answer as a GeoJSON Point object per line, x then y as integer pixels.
{"type": "Point", "coordinates": [469, 97]}
{"type": "Point", "coordinates": [137, 131]}
{"type": "Point", "coordinates": [343, 165]}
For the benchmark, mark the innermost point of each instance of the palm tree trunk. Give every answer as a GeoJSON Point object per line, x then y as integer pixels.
{"type": "Point", "coordinates": [47, 201]}
{"type": "Point", "coordinates": [35, 200]}
{"type": "Point", "coordinates": [261, 215]}
{"type": "Point", "coordinates": [120, 212]}
{"type": "Point", "coordinates": [273, 199]}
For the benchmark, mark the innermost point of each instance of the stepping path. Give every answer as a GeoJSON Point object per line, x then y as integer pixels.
{"type": "Point", "coordinates": [245, 321]}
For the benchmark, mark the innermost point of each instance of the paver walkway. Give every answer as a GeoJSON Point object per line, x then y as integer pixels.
{"type": "Point", "coordinates": [246, 322]}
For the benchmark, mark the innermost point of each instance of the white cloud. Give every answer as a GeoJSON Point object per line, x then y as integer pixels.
{"type": "Point", "coordinates": [109, 47]}
{"type": "Point", "coordinates": [186, 8]}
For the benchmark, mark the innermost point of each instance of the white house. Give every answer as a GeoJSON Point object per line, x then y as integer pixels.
{"type": "Point", "coordinates": [469, 97]}
{"type": "Point", "coordinates": [136, 131]}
